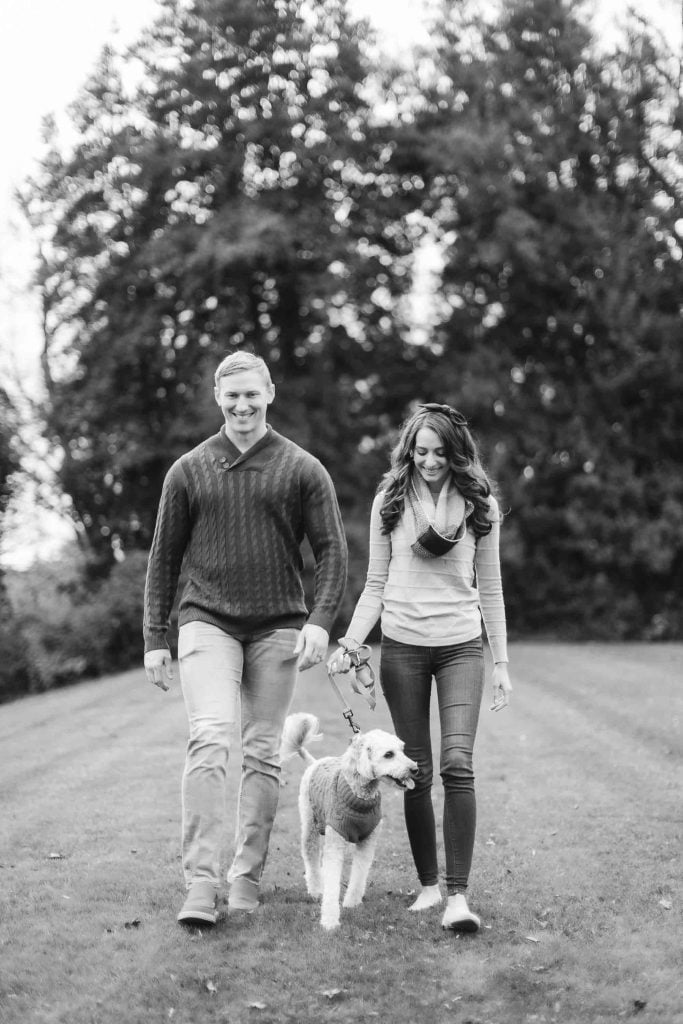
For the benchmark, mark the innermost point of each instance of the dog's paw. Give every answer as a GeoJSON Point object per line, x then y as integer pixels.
{"type": "Point", "coordinates": [352, 900]}
{"type": "Point", "coordinates": [330, 924]}
{"type": "Point", "coordinates": [314, 886]}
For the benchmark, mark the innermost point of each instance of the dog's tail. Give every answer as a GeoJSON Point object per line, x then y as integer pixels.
{"type": "Point", "coordinates": [299, 729]}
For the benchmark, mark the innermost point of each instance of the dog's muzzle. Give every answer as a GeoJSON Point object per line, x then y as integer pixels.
{"type": "Point", "coordinates": [407, 782]}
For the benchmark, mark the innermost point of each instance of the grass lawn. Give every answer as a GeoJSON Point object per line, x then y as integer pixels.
{"type": "Point", "coordinates": [577, 872]}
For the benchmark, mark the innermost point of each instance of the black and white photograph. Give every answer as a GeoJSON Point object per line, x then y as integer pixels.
{"type": "Point", "coordinates": [341, 511]}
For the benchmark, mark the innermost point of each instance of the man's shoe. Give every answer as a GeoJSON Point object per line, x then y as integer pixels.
{"type": "Point", "coordinates": [200, 905]}
{"type": "Point", "coordinates": [243, 895]}
{"type": "Point", "coordinates": [458, 917]}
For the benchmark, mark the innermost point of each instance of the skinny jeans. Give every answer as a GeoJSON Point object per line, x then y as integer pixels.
{"type": "Point", "coordinates": [228, 682]}
{"type": "Point", "coordinates": [406, 674]}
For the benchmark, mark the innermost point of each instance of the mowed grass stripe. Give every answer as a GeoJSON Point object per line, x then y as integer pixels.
{"type": "Point", "coordinates": [578, 849]}
{"type": "Point", "coordinates": [623, 686]}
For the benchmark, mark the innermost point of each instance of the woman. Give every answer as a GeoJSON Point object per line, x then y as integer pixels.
{"type": "Point", "coordinates": [433, 573]}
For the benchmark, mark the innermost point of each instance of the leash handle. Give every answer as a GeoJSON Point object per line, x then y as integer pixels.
{"type": "Point", "coordinates": [363, 680]}
{"type": "Point", "coordinates": [358, 654]}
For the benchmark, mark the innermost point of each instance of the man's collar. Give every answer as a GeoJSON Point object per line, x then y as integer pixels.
{"type": "Point", "coordinates": [234, 453]}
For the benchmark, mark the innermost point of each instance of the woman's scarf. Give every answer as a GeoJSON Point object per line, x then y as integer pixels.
{"type": "Point", "coordinates": [434, 529]}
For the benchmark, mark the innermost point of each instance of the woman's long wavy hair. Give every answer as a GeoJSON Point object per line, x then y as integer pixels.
{"type": "Point", "coordinates": [463, 457]}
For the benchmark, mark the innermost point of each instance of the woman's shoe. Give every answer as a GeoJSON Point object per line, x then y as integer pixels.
{"type": "Point", "coordinates": [458, 917]}
{"type": "Point", "coordinates": [429, 896]}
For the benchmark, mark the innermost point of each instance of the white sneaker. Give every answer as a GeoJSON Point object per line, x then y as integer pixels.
{"type": "Point", "coordinates": [458, 917]}
{"type": "Point", "coordinates": [429, 896]}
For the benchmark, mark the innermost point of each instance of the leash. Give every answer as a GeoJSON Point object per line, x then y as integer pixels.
{"type": "Point", "coordinates": [346, 710]}
{"type": "Point", "coordinates": [359, 664]}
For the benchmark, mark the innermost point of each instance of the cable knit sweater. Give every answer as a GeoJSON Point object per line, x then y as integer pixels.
{"type": "Point", "coordinates": [432, 602]}
{"type": "Point", "coordinates": [335, 804]}
{"type": "Point", "coordinates": [234, 522]}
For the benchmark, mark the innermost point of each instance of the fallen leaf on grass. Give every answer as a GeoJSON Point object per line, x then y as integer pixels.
{"type": "Point", "coordinates": [638, 1005]}
{"type": "Point", "coordinates": [132, 924]}
{"type": "Point", "coordinates": [256, 1006]}
{"type": "Point", "coordinates": [332, 993]}
{"type": "Point", "coordinates": [666, 904]}
{"type": "Point", "coordinates": [210, 987]}
{"type": "Point", "coordinates": [531, 938]}
{"type": "Point", "coordinates": [55, 856]}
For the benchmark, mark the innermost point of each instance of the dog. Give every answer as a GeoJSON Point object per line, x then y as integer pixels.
{"type": "Point", "coordinates": [340, 806]}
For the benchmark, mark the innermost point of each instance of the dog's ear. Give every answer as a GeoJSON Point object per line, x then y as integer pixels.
{"type": "Point", "coordinates": [362, 747]}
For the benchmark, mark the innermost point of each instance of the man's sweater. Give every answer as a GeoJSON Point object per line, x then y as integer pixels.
{"type": "Point", "coordinates": [234, 523]}
{"type": "Point", "coordinates": [334, 803]}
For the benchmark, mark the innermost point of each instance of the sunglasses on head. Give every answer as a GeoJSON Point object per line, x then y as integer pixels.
{"type": "Point", "coordinates": [446, 410]}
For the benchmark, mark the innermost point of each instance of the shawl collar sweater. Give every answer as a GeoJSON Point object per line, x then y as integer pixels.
{"type": "Point", "coordinates": [233, 522]}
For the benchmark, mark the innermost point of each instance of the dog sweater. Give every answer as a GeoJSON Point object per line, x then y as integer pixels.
{"type": "Point", "coordinates": [234, 522]}
{"type": "Point", "coordinates": [335, 804]}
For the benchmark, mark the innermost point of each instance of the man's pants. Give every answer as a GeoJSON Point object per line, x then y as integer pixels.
{"type": "Point", "coordinates": [225, 680]}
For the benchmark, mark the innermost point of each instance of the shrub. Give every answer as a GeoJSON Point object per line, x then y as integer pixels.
{"type": "Point", "coordinates": [15, 671]}
{"type": "Point", "coordinates": [73, 625]}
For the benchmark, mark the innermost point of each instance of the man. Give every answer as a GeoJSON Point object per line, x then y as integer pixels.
{"type": "Point", "coordinates": [233, 513]}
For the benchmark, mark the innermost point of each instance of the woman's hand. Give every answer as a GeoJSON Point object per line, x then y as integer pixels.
{"type": "Point", "coordinates": [502, 687]}
{"type": "Point", "coordinates": [339, 662]}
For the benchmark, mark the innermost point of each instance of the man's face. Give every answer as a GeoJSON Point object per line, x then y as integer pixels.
{"type": "Point", "coordinates": [244, 399]}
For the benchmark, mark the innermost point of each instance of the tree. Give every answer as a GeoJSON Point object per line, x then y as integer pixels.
{"type": "Point", "coordinates": [555, 186]}
{"type": "Point", "coordinates": [248, 194]}
{"type": "Point", "coordinates": [240, 198]}
{"type": "Point", "coordinates": [15, 675]}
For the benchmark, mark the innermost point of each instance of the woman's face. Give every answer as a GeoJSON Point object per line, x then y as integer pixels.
{"type": "Point", "coordinates": [429, 456]}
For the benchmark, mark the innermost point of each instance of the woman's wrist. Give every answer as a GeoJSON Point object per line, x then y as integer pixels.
{"type": "Point", "coordinates": [349, 643]}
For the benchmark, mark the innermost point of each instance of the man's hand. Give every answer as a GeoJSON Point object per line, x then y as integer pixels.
{"type": "Point", "coordinates": [311, 646]}
{"type": "Point", "coordinates": [159, 667]}
{"type": "Point", "coordinates": [502, 687]}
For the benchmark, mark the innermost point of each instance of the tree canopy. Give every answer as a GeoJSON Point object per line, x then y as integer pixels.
{"type": "Point", "coordinates": [555, 186]}
{"type": "Point", "coordinates": [272, 184]}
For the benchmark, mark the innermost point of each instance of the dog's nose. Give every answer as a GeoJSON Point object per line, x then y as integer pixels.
{"type": "Point", "coordinates": [415, 770]}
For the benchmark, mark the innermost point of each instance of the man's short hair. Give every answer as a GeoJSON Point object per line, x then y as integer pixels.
{"type": "Point", "coordinates": [242, 362]}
